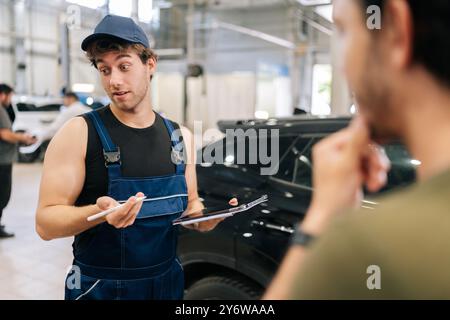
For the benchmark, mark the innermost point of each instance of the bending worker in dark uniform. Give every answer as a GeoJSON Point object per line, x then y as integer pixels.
{"type": "Point", "coordinates": [124, 151]}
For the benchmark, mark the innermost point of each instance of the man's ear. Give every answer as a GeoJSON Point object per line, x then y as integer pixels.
{"type": "Point", "coordinates": [151, 62]}
{"type": "Point", "coordinates": [399, 33]}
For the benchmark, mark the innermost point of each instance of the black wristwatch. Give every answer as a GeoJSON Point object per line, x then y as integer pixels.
{"type": "Point", "coordinates": [301, 238]}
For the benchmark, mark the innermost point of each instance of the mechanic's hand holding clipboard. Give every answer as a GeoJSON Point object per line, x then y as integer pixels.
{"type": "Point", "coordinates": [212, 218]}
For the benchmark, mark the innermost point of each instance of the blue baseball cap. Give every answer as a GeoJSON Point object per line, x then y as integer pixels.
{"type": "Point", "coordinates": [122, 28]}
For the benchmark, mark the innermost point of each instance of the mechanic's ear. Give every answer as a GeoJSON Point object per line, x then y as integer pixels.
{"type": "Point", "coordinates": [151, 63]}
{"type": "Point", "coordinates": [400, 33]}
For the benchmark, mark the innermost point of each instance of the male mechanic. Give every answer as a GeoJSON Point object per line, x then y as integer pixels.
{"type": "Point", "coordinates": [112, 156]}
{"type": "Point", "coordinates": [8, 145]}
{"type": "Point", "coordinates": [400, 75]}
{"type": "Point", "coordinates": [72, 108]}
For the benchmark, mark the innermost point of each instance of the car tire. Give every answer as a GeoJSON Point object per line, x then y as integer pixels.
{"type": "Point", "coordinates": [29, 157]}
{"type": "Point", "coordinates": [222, 288]}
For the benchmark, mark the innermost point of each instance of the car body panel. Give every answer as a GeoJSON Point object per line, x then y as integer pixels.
{"type": "Point", "coordinates": [253, 243]}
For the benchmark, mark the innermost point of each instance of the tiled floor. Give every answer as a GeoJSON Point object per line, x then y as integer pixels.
{"type": "Point", "coordinates": [30, 268]}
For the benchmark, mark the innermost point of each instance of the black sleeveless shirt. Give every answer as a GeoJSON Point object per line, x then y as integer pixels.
{"type": "Point", "coordinates": [144, 153]}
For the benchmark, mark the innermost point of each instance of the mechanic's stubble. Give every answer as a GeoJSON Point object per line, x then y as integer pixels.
{"type": "Point", "coordinates": [126, 80]}
{"type": "Point", "coordinates": [365, 62]}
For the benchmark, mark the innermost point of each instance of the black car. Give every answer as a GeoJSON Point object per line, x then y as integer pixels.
{"type": "Point", "coordinates": [238, 259]}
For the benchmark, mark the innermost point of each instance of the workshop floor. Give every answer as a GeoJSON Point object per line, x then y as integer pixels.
{"type": "Point", "coordinates": [30, 268]}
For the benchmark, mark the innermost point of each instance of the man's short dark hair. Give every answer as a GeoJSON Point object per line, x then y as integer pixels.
{"type": "Point", "coordinates": [5, 89]}
{"type": "Point", "coordinates": [431, 47]}
{"type": "Point", "coordinates": [71, 95]}
{"type": "Point", "coordinates": [102, 46]}
{"type": "Point", "coordinates": [105, 45]}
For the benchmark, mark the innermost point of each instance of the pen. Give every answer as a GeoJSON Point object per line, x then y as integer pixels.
{"type": "Point", "coordinates": [110, 210]}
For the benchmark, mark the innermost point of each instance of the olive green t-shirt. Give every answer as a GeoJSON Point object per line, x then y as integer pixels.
{"type": "Point", "coordinates": [400, 250]}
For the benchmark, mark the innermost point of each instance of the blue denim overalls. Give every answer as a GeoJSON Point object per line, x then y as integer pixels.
{"type": "Point", "coordinates": [138, 262]}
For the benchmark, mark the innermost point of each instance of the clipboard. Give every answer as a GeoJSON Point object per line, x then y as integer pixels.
{"type": "Point", "coordinates": [186, 220]}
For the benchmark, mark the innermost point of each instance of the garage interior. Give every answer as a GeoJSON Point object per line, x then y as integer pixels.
{"type": "Point", "coordinates": [258, 59]}
{"type": "Point", "coordinates": [220, 62]}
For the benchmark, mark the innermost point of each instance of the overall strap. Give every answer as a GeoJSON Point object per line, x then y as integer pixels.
{"type": "Point", "coordinates": [177, 147]}
{"type": "Point", "coordinates": [111, 152]}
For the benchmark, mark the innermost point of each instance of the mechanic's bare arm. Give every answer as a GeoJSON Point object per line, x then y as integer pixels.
{"type": "Point", "coordinates": [62, 181]}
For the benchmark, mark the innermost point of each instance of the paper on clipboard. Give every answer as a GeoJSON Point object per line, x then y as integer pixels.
{"type": "Point", "coordinates": [219, 214]}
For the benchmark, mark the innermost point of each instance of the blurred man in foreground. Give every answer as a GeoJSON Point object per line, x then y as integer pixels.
{"type": "Point", "coordinates": [400, 76]}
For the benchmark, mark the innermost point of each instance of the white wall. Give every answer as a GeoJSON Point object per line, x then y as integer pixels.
{"type": "Point", "coordinates": [167, 94]}
{"type": "Point", "coordinates": [6, 72]}
{"type": "Point", "coordinates": [232, 61]}
{"type": "Point", "coordinates": [230, 96]}
{"type": "Point", "coordinates": [81, 70]}
{"type": "Point", "coordinates": [43, 71]}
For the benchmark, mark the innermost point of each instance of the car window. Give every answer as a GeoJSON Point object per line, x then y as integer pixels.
{"type": "Point", "coordinates": [30, 107]}
{"type": "Point", "coordinates": [247, 152]}
{"type": "Point", "coordinates": [254, 157]}
{"type": "Point", "coordinates": [303, 162]}
{"type": "Point", "coordinates": [403, 167]}
{"type": "Point", "coordinates": [296, 162]}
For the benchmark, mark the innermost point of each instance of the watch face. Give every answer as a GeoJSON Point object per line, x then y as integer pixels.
{"type": "Point", "coordinates": [301, 238]}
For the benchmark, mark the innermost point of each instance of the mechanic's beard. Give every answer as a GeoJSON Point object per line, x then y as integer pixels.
{"type": "Point", "coordinates": [382, 136]}
{"type": "Point", "coordinates": [141, 97]}
{"type": "Point", "coordinates": [131, 105]}
{"type": "Point", "coordinates": [376, 108]}
{"type": "Point", "coordinates": [375, 104]}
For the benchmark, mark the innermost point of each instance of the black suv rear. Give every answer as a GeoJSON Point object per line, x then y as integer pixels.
{"type": "Point", "coordinates": [238, 259]}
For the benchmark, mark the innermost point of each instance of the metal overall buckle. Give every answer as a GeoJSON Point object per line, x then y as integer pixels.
{"type": "Point", "coordinates": [112, 157]}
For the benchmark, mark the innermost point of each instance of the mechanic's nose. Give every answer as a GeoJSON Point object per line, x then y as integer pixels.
{"type": "Point", "coordinates": [115, 80]}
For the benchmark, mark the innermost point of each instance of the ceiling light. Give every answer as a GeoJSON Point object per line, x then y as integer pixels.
{"type": "Point", "coordinates": [313, 2]}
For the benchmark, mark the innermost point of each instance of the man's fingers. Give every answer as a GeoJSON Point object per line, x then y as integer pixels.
{"type": "Point", "coordinates": [104, 203]}
{"type": "Point", "coordinates": [139, 195]}
{"type": "Point", "coordinates": [205, 225]}
{"type": "Point", "coordinates": [351, 139]}
{"type": "Point", "coordinates": [131, 209]}
{"type": "Point", "coordinates": [233, 202]}
{"type": "Point", "coordinates": [189, 226]}
{"type": "Point", "coordinates": [135, 206]}
{"type": "Point", "coordinates": [377, 168]}
{"type": "Point", "coordinates": [359, 135]}
{"type": "Point", "coordinates": [337, 140]}
{"type": "Point", "coordinates": [376, 180]}
{"type": "Point", "coordinates": [126, 215]}
{"type": "Point", "coordinates": [129, 219]}
{"type": "Point", "coordinates": [383, 158]}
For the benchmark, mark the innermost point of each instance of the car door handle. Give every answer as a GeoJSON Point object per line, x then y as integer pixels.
{"type": "Point", "coordinates": [271, 226]}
